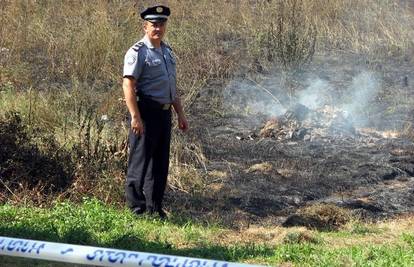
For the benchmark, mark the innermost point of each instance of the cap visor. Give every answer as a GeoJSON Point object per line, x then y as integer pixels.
{"type": "Point", "coordinates": [157, 20]}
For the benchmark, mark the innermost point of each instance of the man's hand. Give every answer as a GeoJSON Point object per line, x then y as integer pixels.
{"type": "Point", "coordinates": [128, 85]}
{"type": "Point", "coordinates": [182, 122]}
{"type": "Point", "coordinates": [136, 126]}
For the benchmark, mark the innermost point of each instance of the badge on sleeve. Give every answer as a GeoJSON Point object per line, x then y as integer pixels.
{"type": "Point", "coordinates": [131, 59]}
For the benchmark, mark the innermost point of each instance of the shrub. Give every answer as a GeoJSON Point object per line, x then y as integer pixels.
{"type": "Point", "coordinates": [291, 36]}
{"type": "Point", "coordinates": [25, 165]}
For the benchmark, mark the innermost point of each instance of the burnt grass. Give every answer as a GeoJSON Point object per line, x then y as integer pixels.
{"type": "Point", "coordinates": [266, 180]}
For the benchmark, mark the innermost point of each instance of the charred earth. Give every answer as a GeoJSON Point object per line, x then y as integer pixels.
{"type": "Point", "coordinates": [263, 167]}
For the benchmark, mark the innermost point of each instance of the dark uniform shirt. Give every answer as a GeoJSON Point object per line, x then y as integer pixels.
{"type": "Point", "coordinates": [153, 69]}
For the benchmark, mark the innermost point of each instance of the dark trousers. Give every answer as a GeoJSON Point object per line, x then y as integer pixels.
{"type": "Point", "coordinates": [149, 159]}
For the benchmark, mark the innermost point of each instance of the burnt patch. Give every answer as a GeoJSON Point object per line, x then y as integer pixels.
{"type": "Point", "coordinates": [361, 204]}
{"type": "Point", "coordinates": [269, 178]}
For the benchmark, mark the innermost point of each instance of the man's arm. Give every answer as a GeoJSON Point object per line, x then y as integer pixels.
{"type": "Point", "coordinates": [128, 86]}
{"type": "Point", "coordinates": [182, 120]}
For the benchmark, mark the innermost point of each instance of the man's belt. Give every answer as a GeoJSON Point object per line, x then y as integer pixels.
{"type": "Point", "coordinates": [166, 106]}
{"type": "Point", "coordinates": [153, 104]}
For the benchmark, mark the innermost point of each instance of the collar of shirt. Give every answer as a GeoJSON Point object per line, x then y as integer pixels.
{"type": "Point", "coordinates": [148, 43]}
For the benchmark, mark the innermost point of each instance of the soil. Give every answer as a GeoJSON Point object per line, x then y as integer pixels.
{"type": "Point", "coordinates": [254, 177]}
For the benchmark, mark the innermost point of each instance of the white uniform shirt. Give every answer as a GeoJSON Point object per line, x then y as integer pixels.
{"type": "Point", "coordinates": [153, 69]}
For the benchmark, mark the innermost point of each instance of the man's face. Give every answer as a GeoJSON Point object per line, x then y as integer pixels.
{"type": "Point", "coordinates": [155, 30]}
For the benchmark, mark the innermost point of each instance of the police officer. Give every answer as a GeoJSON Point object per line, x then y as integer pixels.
{"type": "Point", "coordinates": [149, 85]}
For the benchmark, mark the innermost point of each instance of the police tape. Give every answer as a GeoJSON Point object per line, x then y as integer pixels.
{"type": "Point", "coordinates": [97, 256]}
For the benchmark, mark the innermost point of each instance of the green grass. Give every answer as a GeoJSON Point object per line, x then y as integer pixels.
{"type": "Point", "coordinates": [93, 223]}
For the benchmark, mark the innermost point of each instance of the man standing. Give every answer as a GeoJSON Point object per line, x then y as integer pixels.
{"type": "Point", "coordinates": [149, 85]}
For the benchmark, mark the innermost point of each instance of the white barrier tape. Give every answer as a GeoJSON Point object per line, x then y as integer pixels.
{"type": "Point", "coordinates": [99, 256]}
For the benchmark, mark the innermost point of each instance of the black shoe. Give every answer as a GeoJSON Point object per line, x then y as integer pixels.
{"type": "Point", "coordinates": [139, 210]}
{"type": "Point", "coordinates": [163, 215]}
{"type": "Point", "coordinates": [158, 211]}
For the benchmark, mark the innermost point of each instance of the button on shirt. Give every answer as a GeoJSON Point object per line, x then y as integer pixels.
{"type": "Point", "coordinates": [154, 70]}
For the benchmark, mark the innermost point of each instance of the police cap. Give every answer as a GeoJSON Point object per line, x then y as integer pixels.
{"type": "Point", "coordinates": [156, 13]}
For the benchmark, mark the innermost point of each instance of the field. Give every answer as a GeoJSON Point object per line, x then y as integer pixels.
{"type": "Point", "coordinates": [301, 128]}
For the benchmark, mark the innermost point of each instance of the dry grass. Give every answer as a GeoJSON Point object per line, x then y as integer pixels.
{"type": "Point", "coordinates": [382, 233]}
{"type": "Point", "coordinates": [408, 130]}
{"type": "Point", "coordinates": [264, 167]}
{"type": "Point", "coordinates": [320, 216]}
{"type": "Point", "coordinates": [86, 40]}
{"type": "Point", "coordinates": [378, 28]}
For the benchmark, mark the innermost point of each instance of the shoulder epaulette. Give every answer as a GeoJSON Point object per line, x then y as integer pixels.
{"type": "Point", "coordinates": [167, 46]}
{"type": "Point", "coordinates": [137, 46]}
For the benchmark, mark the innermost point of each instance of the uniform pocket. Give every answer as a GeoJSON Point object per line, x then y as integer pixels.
{"type": "Point", "coordinates": [154, 68]}
{"type": "Point", "coordinates": [153, 62]}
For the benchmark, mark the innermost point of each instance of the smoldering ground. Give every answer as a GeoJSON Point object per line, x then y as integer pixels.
{"type": "Point", "coordinates": [355, 100]}
{"type": "Point", "coordinates": [266, 178]}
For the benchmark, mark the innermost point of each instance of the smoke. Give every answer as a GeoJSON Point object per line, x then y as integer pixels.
{"type": "Point", "coordinates": [362, 91]}
{"type": "Point", "coordinates": [355, 103]}
{"type": "Point", "coordinates": [249, 98]}
{"type": "Point", "coordinates": [316, 94]}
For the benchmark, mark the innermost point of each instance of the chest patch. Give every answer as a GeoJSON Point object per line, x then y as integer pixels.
{"type": "Point", "coordinates": [156, 61]}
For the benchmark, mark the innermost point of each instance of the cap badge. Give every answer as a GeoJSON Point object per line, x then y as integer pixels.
{"type": "Point", "coordinates": [159, 9]}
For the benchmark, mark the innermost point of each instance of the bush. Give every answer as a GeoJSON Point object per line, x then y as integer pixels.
{"type": "Point", "coordinates": [25, 165]}
{"type": "Point", "coordinates": [290, 38]}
